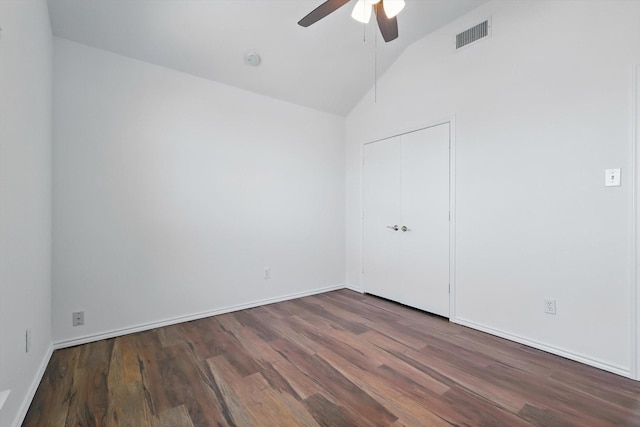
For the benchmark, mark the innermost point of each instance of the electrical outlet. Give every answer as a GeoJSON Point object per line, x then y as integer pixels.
{"type": "Point", "coordinates": [549, 306]}
{"type": "Point", "coordinates": [78, 318]}
{"type": "Point", "coordinates": [267, 273]}
{"type": "Point", "coordinates": [27, 337]}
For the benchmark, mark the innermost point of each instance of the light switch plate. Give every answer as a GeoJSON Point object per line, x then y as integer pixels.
{"type": "Point", "coordinates": [612, 178]}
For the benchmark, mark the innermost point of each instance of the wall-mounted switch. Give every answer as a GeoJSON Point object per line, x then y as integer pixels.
{"type": "Point", "coordinates": [27, 338]}
{"type": "Point", "coordinates": [612, 177]}
{"type": "Point", "coordinates": [267, 273]}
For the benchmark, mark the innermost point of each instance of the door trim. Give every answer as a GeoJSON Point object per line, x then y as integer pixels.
{"type": "Point", "coordinates": [450, 120]}
{"type": "Point", "coordinates": [452, 218]}
{"type": "Point", "coordinates": [635, 223]}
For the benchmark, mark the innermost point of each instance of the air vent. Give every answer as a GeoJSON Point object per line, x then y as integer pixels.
{"type": "Point", "coordinates": [473, 34]}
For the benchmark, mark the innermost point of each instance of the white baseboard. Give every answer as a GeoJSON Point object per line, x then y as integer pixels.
{"type": "Point", "coordinates": [22, 413]}
{"type": "Point", "coordinates": [625, 372]}
{"type": "Point", "coordinates": [172, 321]}
{"type": "Point", "coordinates": [354, 288]}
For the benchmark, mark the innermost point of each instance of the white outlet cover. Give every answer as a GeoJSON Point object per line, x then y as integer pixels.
{"type": "Point", "coordinates": [549, 306]}
{"type": "Point", "coordinates": [612, 178]}
{"type": "Point", "coordinates": [78, 318]}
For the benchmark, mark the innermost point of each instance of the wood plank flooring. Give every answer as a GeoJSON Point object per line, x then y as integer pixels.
{"type": "Point", "coordinates": [336, 359]}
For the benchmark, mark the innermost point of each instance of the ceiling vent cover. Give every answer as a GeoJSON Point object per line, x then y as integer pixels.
{"type": "Point", "coordinates": [473, 34]}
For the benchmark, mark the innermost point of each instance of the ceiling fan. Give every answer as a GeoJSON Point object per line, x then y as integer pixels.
{"type": "Point", "coordinates": [385, 11]}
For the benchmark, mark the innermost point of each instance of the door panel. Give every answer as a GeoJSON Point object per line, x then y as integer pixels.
{"type": "Point", "coordinates": [425, 211]}
{"type": "Point", "coordinates": [406, 183]}
{"type": "Point", "coordinates": [381, 204]}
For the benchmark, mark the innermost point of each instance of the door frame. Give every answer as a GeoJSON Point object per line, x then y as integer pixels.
{"type": "Point", "coordinates": [452, 198]}
{"type": "Point", "coordinates": [635, 223]}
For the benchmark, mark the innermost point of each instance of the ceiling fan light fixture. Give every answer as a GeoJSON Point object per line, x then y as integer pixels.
{"type": "Point", "coordinates": [362, 11]}
{"type": "Point", "coordinates": [393, 7]}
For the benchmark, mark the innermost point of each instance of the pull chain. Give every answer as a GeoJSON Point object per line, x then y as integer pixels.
{"type": "Point", "coordinates": [364, 32]}
{"type": "Point", "coordinates": [375, 70]}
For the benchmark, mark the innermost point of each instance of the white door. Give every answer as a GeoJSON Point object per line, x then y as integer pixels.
{"type": "Point", "coordinates": [406, 183]}
{"type": "Point", "coordinates": [425, 212]}
{"type": "Point", "coordinates": [381, 207]}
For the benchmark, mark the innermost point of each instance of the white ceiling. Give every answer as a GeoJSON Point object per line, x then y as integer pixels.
{"type": "Point", "coordinates": [326, 66]}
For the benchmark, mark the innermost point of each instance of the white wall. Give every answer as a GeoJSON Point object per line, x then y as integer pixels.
{"type": "Point", "coordinates": [541, 109]}
{"type": "Point", "coordinates": [25, 200]}
{"type": "Point", "coordinates": [172, 193]}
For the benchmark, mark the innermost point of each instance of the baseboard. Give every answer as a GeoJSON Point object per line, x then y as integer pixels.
{"type": "Point", "coordinates": [354, 288]}
{"type": "Point", "coordinates": [22, 413]}
{"type": "Point", "coordinates": [172, 321]}
{"type": "Point", "coordinates": [625, 372]}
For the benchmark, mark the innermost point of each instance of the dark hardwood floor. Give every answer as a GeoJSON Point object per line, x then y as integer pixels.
{"type": "Point", "coordinates": [337, 359]}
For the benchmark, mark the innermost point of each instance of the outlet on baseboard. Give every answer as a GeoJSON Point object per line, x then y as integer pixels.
{"type": "Point", "coordinates": [78, 318]}
{"type": "Point", "coordinates": [549, 306]}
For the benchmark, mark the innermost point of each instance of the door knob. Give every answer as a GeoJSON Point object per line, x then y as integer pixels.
{"type": "Point", "coordinates": [394, 228]}
{"type": "Point", "coordinates": [404, 228]}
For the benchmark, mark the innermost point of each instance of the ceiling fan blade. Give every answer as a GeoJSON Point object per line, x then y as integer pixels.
{"type": "Point", "coordinates": [388, 26]}
{"type": "Point", "coordinates": [321, 11]}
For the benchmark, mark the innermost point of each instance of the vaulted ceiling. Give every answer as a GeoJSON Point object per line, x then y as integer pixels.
{"type": "Point", "coordinates": [328, 66]}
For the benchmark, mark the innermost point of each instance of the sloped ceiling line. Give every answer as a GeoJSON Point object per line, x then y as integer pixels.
{"type": "Point", "coordinates": [320, 67]}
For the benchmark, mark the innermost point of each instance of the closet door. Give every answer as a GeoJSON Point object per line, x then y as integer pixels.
{"type": "Point", "coordinates": [406, 184]}
{"type": "Point", "coordinates": [381, 207]}
{"type": "Point", "coordinates": [425, 212]}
